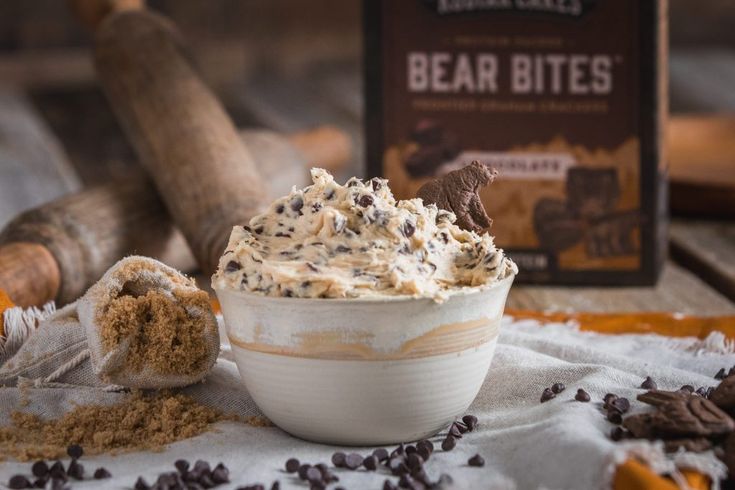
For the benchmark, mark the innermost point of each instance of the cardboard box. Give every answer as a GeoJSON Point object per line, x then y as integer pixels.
{"type": "Point", "coordinates": [565, 98]}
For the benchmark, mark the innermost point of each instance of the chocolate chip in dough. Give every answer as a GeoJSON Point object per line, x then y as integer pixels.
{"type": "Point", "coordinates": [648, 384]}
{"type": "Point", "coordinates": [408, 229]}
{"type": "Point", "coordinates": [476, 460]}
{"type": "Point", "coordinates": [292, 465]}
{"type": "Point", "coordinates": [547, 395]}
{"type": "Point", "coordinates": [297, 203]}
{"type": "Point", "coordinates": [280, 209]}
{"type": "Point", "coordinates": [582, 396]}
{"type": "Point", "coordinates": [365, 200]}
{"type": "Point", "coordinates": [558, 388]}
{"type": "Point", "coordinates": [101, 474]}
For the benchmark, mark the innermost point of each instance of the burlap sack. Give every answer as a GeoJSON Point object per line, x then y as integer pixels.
{"type": "Point", "coordinates": [135, 277]}
{"type": "Point", "coordinates": [68, 348]}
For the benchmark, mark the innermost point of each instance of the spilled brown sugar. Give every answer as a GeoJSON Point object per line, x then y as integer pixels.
{"type": "Point", "coordinates": [140, 422]}
{"type": "Point", "coordinates": [163, 335]}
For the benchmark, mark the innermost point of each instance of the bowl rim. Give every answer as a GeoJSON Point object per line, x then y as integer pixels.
{"type": "Point", "coordinates": [363, 300]}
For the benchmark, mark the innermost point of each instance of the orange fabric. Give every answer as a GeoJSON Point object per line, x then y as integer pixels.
{"type": "Point", "coordinates": [5, 303]}
{"type": "Point", "coordinates": [634, 475]}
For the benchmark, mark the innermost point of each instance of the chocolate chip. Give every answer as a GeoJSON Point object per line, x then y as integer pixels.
{"type": "Point", "coordinates": [276, 485]}
{"type": "Point", "coordinates": [75, 451]}
{"type": "Point", "coordinates": [302, 470]}
{"type": "Point", "coordinates": [558, 388]}
{"type": "Point", "coordinates": [101, 474]}
{"type": "Point", "coordinates": [182, 465]}
{"type": "Point", "coordinates": [608, 398]}
{"type": "Point", "coordinates": [476, 460]}
{"type": "Point", "coordinates": [622, 405]}
{"type": "Point", "coordinates": [376, 184]}
{"type": "Point", "coordinates": [380, 453]}
{"type": "Point", "coordinates": [371, 463]}
{"type": "Point", "coordinates": [141, 484]}
{"type": "Point", "coordinates": [365, 200]}
{"type": "Point", "coordinates": [399, 451]}
{"type": "Point", "coordinates": [280, 209]}
{"type": "Point", "coordinates": [39, 469]}
{"type": "Point", "coordinates": [338, 459]}
{"type": "Point", "coordinates": [449, 443]}
{"type": "Point", "coordinates": [547, 395]}
{"type": "Point", "coordinates": [220, 474]}
{"type": "Point", "coordinates": [41, 482]}
{"type": "Point", "coordinates": [649, 384]}
{"type": "Point", "coordinates": [615, 417]}
{"type": "Point", "coordinates": [455, 431]}
{"type": "Point", "coordinates": [75, 470]}
{"type": "Point", "coordinates": [398, 467]}
{"type": "Point", "coordinates": [687, 388]}
{"type": "Point", "coordinates": [701, 391]}
{"type": "Point", "coordinates": [406, 481]}
{"type": "Point", "coordinates": [343, 249]}
{"type": "Point", "coordinates": [414, 461]}
{"type": "Point", "coordinates": [388, 485]}
{"type": "Point", "coordinates": [408, 229]}
{"type": "Point", "coordinates": [292, 465]}
{"type": "Point", "coordinates": [353, 461]}
{"type": "Point", "coordinates": [470, 421]}
{"type": "Point", "coordinates": [297, 203]}
{"type": "Point", "coordinates": [258, 230]}
{"type": "Point", "coordinates": [19, 481]}
{"type": "Point", "coordinates": [313, 474]}
{"type": "Point", "coordinates": [617, 433]}
{"type": "Point", "coordinates": [720, 374]}
{"type": "Point", "coordinates": [57, 470]}
{"type": "Point", "coordinates": [582, 396]}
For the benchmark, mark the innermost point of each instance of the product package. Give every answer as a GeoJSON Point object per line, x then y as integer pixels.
{"type": "Point", "coordinates": [565, 98]}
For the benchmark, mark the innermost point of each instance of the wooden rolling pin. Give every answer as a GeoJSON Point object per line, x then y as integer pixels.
{"type": "Point", "coordinates": [205, 175]}
{"type": "Point", "coordinates": [58, 250]}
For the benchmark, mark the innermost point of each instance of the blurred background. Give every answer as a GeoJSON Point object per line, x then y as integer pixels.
{"type": "Point", "coordinates": [287, 66]}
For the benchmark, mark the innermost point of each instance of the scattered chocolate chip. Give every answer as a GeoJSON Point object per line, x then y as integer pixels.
{"type": "Point", "coordinates": [371, 463]}
{"type": "Point", "coordinates": [397, 466]}
{"type": "Point", "coordinates": [39, 469]}
{"type": "Point", "coordinates": [455, 430]}
{"type": "Point", "coordinates": [313, 474]}
{"type": "Point", "coordinates": [182, 465]}
{"type": "Point", "coordinates": [353, 461]}
{"type": "Point", "coordinates": [141, 484]}
{"type": "Point", "coordinates": [470, 421]}
{"type": "Point", "coordinates": [414, 461]}
{"type": "Point", "coordinates": [410, 449]}
{"type": "Point", "coordinates": [558, 388]}
{"type": "Point", "coordinates": [687, 388]}
{"type": "Point", "coordinates": [615, 417]}
{"type": "Point", "coordinates": [101, 474]}
{"type": "Point", "coordinates": [622, 405]}
{"type": "Point", "coordinates": [75, 451]}
{"type": "Point", "coordinates": [292, 465]}
{"type": "Point", "coordinates": [701, 391]}
{"type": "Point", "coordinates": [617, 433]}
{"type": "Point", "coordinates": [582, 396]}
{"type": "Point", "coordinates": [57, 470]}
{"type": "Point", "coordinates": [19, 481]}
{"type": "Point", "coordinates": [547, 395]}
{"type": "Point", "coordinates": [388, 485]}
{"type": "Point", "coordinates": [302, 470]}
{"type": "Point", "coordinates": [399, 451]}
{"type": "Point", "coordinates": [220, 474]}
{"type": "Point", "coordinates": [648, 384]}
{"type": "Point", "coordinates": [720, 374]}
{"type": "Point", "coordinates": [40, 482]}
{"type": "Point", "coordinates": [406, 481]}
{"type": "Point", "coordinates": [608, 399]}
{"type": "Point", "coordinates": [476, 460]}
{"type": "Point", "coordinates": [380, 453]}
{"type": "Point", "coordinates": [75, 470]}
{"type": "Point", "coordinates": [449, 443]}
{"type": "Point", "coordinates": [276, 485]}
{"type": "Point", "coordinates": [365, 200]}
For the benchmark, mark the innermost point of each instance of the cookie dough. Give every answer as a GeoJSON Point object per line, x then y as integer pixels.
{"type": "Point", "coordinates": [356, 240]}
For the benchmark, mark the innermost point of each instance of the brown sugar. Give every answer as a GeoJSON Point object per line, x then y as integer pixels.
{"type": "Point", "coordinates": [163, 334]}
{"type": "Point", "coordinates": [140, 422]}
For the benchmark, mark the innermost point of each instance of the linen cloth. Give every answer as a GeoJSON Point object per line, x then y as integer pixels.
{"type": "Point", "coordinates": [560, 444]}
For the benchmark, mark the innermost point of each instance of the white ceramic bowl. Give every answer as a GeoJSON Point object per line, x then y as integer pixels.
{"type": "Point", "coordinates": [364, 371]}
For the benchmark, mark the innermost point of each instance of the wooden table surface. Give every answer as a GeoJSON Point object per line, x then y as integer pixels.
{"type": "Point", "coordinates": [698, 279]}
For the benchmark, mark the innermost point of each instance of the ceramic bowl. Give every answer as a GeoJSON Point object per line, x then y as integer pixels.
{"type": "Point", "coordinates": [364, 371]}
